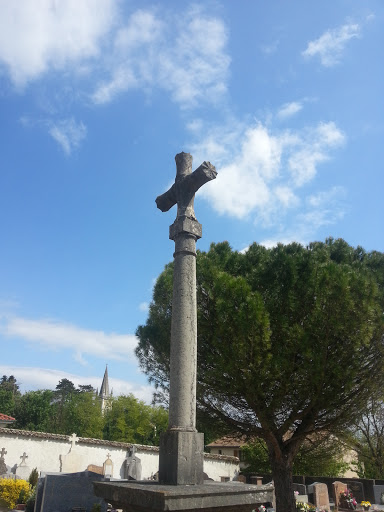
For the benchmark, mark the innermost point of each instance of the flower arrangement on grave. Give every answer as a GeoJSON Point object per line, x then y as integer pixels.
{"type": "Point", "coordinates": [365, 505]}
{"type": "Point", "coordinates": [347, 500]}
{"type": "Point", "coordinates": [261, 508]}
{"type": "Point", "coordinates": [305, 507]}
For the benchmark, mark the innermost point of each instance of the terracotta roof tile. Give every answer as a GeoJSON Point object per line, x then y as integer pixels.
{"type": "Point", "coordinates": [234, 441]}
{"type": "Point", "coordinates": [5, 417]}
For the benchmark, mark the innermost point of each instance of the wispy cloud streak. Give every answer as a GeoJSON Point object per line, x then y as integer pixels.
{"type": "Point", "coordinates": [329, 47]}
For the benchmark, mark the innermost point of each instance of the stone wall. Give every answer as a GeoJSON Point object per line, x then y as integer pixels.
{"type": "Point", "coordinates": [56, 453]}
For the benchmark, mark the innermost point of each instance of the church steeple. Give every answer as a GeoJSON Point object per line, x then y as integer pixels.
{"type": "Point", "coordinates": [104, 393]}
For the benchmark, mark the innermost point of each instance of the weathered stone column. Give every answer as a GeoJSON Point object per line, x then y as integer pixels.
{"type": "Point", "coordinates": [182, 447]}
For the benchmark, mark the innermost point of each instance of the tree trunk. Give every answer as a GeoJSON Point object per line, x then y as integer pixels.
{"type": "Point", "coordinates": [282, 478]}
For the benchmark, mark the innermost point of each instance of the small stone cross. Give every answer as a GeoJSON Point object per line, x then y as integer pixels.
{"type": "Point", "coordinates": [73, 440]}
{"type": "Point", "coordinates": [3, 452]}
{"type": "Point", "coordinates": [23, 457]}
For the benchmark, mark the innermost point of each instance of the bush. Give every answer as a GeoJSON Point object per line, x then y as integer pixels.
{"type": "Point", "coordinates": [10, 491]}
{"type": "Point", "coordinates": [33, 477]}
{"type": "Point", "coordinates": [30, 505]}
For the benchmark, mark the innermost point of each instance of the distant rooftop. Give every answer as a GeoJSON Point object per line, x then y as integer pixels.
{"type": "Point", "coordinates": [5, 419]}
{"type": "Point", "coordinates": [233, 441]}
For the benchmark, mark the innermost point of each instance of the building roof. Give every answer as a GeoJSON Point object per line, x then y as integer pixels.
{"type": "Point", "coordinates": [4, 418]}
{"type": "Point", "coordinates": [231, 441]}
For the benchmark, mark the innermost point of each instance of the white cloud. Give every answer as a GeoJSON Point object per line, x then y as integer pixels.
{"type": "Point", "coordinates": [330, 46]}
{"type": "Point", "coordinates": [324, 208]}
{"type": "Point", "coordinates": [182, 55]}
{"type": "Point", "coordinates": [68, 133]}
{"type": "Point", "coordinates": [281, 239]}
{"type": "Point", "coordinates": [110, 52]}
{"type": "Point", "coordinates": [54, 335]}
{"type": "Point", "coordinates": [289, 110]}
{"type": "Point", "coordinates": [260, 170]}
{"type": "Point", "coordinates": [31, 379]}
{"type": "Point", "coordinates": [40, 35]}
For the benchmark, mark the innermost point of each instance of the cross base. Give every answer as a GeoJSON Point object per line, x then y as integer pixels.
{"type": "Point", "coordinates": [147, 496]}
{"type": "Point", "coordinates": [181, 458]}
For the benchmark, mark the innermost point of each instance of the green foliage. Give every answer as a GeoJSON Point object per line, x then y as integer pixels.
{"type": "Point", "coordinates": [367, 439]}
{"type": "Point", "coordinates": [69, 409]}
{"type": "Point", "coordinates": [322, 457]}
{"type": "Point", "coordinates": [30, 504]}
{"type": "Point", "coordinates": [33, 410]}
{"type": "Point", "coordinates": [132, 421]}
{"type": "Point", "coordinates": [33, 477]}
{"type": "Point", "coordinates": [9, 384]}
{"type": "Point", "coordinates": [9, 392]}
{"type": "Point", "coordinates": [288, 341]}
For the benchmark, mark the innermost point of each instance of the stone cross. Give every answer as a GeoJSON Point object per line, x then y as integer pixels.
{"type": "Point", "coordinates": [180, 447]}
{"type": "Point", "coordinates": [3, 452]}
{"type": "Point", "coordinates": [23, 457]}
{"type": "Point", "coordinates": [73, 440]}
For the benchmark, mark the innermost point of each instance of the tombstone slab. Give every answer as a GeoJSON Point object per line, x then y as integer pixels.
{"type": "Point", "coordinates": [300, 488]}
{"type": "Point", "coordinates": [320, 496]}
{"type": "Point", "coordinates": [108, 467]}
{"type": "Point", "coordinates": [132, 466]}
{"type": "Point", "coordinates": [65, 492]}
{"type": "Point", "coordinates": [357, 490]}
{"type": "Point", "coordinates": [378, 491]}
{"type": "Point", "coordinates": [338, 487]}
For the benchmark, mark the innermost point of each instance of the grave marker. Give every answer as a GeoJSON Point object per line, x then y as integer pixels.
{"type": "Point", "coordinates": [320, 496]}
{"type": "Point", "coordinates": [357, 490]}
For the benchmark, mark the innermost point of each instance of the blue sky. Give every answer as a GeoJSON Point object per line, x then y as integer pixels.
{"type": "Point", "coordinates": [97, 97]}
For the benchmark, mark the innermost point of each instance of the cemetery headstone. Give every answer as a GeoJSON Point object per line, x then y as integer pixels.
{"type": "Point", "coordinates": [300, 488]}
{"type": "Point", "coordinates": [132, 465]}
{"type": "Point", "coordinates": [357, 490]}
{"type": "Point", "coordinates": [72, 462]}
{"type": "Point", "coordinates": [23, 471]}
{"type": "Point", "coordinates": [338, 487]}
{"type": "Point", "coordinates": [65, 492]}
{"type": "Point", "coordinates": [320, 496]}
{"type": "Point", "coordinates": [108, 467]}
{"type": "Point", "coordinates": [378, 491]}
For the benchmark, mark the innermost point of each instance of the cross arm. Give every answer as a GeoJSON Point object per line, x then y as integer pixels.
{"type": "Point", "coordinates": [165, 201]}
{"type": "Point", "coordinates": [204, 173]}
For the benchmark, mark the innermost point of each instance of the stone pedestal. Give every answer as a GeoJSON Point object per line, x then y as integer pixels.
{"type": "Point", "coordinates": [147, 496]}
{"type": "Point", "coordinates": [182, 458]}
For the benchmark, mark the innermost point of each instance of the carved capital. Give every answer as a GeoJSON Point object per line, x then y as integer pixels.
{"type": "Point", "coordinates": [185, 225]}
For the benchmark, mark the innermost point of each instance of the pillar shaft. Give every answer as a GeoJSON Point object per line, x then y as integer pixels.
{"type": "Point", "coordinates": [182, 400]}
